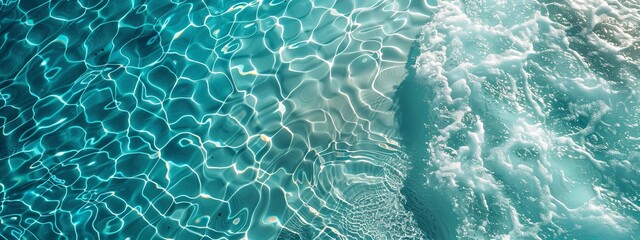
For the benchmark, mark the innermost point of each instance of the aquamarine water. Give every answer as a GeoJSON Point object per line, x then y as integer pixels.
{"type": "Point", "coordinates": [319, 119]}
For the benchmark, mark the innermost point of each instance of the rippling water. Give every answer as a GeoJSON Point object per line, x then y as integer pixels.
{"type": "Point", "coordinates": [332, 119]}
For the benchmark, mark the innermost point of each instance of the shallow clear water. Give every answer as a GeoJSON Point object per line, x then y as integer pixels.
{"type": "Point", "coordinates": [369, 119]}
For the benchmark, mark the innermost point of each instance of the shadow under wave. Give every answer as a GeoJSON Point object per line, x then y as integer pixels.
{"type": "Point", "coordinates": [431, 208]}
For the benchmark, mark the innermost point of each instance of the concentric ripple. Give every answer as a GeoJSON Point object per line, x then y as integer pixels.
{"type": "Point", "coordinates": [203, 119]}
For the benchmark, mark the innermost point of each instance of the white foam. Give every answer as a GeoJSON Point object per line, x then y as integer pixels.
{"type": "Point", "coordinates": [468, 54]}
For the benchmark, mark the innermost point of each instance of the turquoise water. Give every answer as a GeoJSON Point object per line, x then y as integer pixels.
{"type": "Point", "coordinates": [333, 119]}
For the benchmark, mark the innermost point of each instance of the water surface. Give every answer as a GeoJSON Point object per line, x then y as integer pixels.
{"type": "Point", "coordinates": [303, 119]}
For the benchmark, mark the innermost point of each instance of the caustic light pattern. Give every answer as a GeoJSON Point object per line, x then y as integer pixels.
{"type": "Point", "coordinates": [319, 119]}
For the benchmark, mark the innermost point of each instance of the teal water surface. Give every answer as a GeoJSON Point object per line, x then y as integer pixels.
{"type": "Point", "coordinates": [203, 119]}
{"type": "Point", "coordinates": [308, 119]}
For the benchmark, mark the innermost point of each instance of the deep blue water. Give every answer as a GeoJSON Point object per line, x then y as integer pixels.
{"type": "Point", "coordinates": [308, 119]}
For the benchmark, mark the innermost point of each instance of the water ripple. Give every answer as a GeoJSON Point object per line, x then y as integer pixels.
{"type": "Point", "coordinates": [203, 119]}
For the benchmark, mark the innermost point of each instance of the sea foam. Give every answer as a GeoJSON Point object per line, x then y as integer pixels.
{"type": "Point", "coordinates": [531, 115]}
